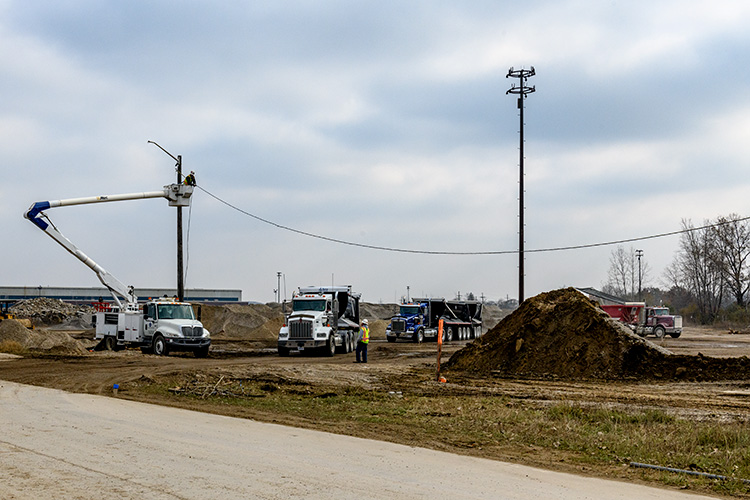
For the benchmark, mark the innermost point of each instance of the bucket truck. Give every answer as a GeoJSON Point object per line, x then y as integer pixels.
{"type": "Point", "coordinates": [161, 325]}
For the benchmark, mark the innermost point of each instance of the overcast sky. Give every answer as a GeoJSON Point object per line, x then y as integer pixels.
{"type": "Point", "coordinates": [378, 123]}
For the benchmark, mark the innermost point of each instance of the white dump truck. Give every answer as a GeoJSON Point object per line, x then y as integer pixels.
{"type": "Point", "coordinates": [324, 319]}
{"type": "Point", "coordinates": [159, 326]}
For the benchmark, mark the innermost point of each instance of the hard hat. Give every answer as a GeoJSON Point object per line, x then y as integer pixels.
{"type": "Point", "coordinates": [364, 321]}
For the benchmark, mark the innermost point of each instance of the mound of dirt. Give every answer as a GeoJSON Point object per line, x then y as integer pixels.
{"type": "Point", "coordinates": [561, 334]}
{"type": "Point", "coordinates": [254, 322]}
{"type": "Point", "coordinates": [45, 340]}
{"type": "Point", "coordinates": [46, 311]}
{"type": "Point", "coordinates": [377, 311]}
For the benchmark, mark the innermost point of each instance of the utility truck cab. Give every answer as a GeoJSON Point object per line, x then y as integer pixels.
{"type": "Point", "coordinates": [322, 318]}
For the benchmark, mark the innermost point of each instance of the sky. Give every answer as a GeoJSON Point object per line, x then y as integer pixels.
{"type": "Point", "coordinates": [382, 124]}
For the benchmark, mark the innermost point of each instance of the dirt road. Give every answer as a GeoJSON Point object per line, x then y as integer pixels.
{"type": "Point", "coordinates": [57, 444]}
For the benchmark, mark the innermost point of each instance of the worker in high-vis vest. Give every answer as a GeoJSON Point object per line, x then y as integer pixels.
{"type": "Point", "coordinates": [363, 338]}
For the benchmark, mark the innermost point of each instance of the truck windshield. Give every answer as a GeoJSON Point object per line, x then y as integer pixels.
{"type": "Point", "coordinates": [661, 311]}
{"type": "Point", "coordinates": [175, 311]}
{"type": "Point", "coordinates": [409, 310]}
{"type": "Point", "coordinates": [309, 305]}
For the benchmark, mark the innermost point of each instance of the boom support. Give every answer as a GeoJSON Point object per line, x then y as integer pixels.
{"type": "Point", "coordinates": [178, 196]}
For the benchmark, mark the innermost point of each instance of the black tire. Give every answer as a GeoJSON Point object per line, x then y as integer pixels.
{"type": "Point", "coordinates": [659, 332]}
{"type": "Point", "coordinates": [330, 348]}
{"type": "Point", "coordinates": [160, 346]}
{"type": "Point", "coordinates": [201, 352]}
{"type": "Point", "coordinates": [390, 338]}
{"type": "Point", "coordinates": [419, 336]}
{"type": "Point", "coordinates": [110, 343]}
{"type": "Point", "coordinates": [283, 351]}
{"type": "Point", "coordinates": [350, 339]}
{"type": "Point", "coordinates": [675, 335]}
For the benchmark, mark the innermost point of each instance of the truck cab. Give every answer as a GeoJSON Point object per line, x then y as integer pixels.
{"type": "Point", "coordinates": [410, 322]}
{"type": "Point", "coordinates": [322, 318]}
{"type": "Point", "coordinates": [659, 322]}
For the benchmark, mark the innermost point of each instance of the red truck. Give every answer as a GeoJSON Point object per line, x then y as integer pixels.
{"type": "Point", "coordinates": [646, 320]}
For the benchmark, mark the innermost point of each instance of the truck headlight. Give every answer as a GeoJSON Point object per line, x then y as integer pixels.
{"type": "Point", "coordinates": [283, 335]}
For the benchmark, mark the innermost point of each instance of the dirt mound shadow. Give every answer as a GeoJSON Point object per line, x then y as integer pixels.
{"type": "Point", "coordinates": [561, 334]}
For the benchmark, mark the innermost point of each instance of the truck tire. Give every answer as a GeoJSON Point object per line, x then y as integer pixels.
{"type": "Point", "coordinates": [283, 351]}
{"type": "Point", "coordinates": [390, 339]}
{"type": "Point", "coordinates": [110, 343]}
{"type": "Point", "coordinates": [330, 347]}
{"type": "Point", "coordinates": [659, 332]}
{"type": "Point", "coordinates": [675, 335]}
{"type": "Point", "coordinates": [419, 336]}
{"type": "Point", "coordinates": [201, 352]}
{"type": "Point", "coordinates": [447, 334]}
{"type": "Point", "coordinates": [350, 343]}
{"type": "Point", "coordinates": [160, 346]}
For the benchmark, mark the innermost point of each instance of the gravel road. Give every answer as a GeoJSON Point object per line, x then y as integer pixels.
{"type": "Point", "coordinates": [56, 444]}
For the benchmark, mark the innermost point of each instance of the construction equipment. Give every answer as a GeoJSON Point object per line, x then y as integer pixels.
{"type": "Point", "coordinates": [323, 318]}
{"type": "Point", "coordinates": [418, 320]}
{"type": "Point", "coordinates": [6, 314]}
{"type": "Point", "coordinates": [162, 325]}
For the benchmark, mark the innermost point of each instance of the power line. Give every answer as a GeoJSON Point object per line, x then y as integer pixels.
{"type": "Point", "coordinates": [489, 252]}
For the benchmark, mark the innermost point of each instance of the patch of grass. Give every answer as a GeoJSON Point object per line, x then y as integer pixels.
{"type": "Point", "coordinates": [497, 427]}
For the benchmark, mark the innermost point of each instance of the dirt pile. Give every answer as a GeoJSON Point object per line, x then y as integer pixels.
{"type": "Point", "coordinates": [43, 340]}
{"type": "Point", "coordinates": [46, 311]}
{"type": "Point", "coordinates": [561, 334]}
{"type": "Point", "coordinates": [248, 322]}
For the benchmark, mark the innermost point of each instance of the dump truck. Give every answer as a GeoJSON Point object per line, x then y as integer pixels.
{"type": "Point", "coordinates": [646, 320]}
{"type": "Point", "coordinates": [6, 314]}
{"type": "Point", "coordinates": [160, 325]}
{"type": "Point", "coordinates": [418, 320]}
{"type": "Point", "coordinates": [323, 319]}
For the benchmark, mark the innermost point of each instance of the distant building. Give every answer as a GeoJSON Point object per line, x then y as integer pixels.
{"type": "Point", "coordinates": [73, 294]}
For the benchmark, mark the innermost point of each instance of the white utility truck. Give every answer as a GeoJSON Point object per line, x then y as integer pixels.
{"type": "Point", "coordinates": [324, 318]}
{"type": "Point", "coordinates": [160, 325]}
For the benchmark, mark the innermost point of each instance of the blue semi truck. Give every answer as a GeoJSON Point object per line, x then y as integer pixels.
{"type": "Point", "coordinates": [418, 320]}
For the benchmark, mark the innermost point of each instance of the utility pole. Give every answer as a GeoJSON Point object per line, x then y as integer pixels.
{"type": "Point", "coordinates": [639, 254]}
{"type": "Point", "coordinates": [180, 274]}
{"type": "Point", "coordinates": [278, 287]}
{"type": "Point", "coordinates": [522, 91]}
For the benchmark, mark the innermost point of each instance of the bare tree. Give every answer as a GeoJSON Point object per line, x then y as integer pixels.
{"type": "Point", "coordinates": [733, 245]}
{"type": "Point", "coordinates": [697, 268]}
{"type": "Point", "coordinates": [626, 273]}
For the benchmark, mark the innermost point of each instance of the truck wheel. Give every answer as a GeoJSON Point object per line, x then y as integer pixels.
{"type": "Point", "coordinates": [330, 349]}
{"type": "Point", "coordinates": [390, 339]}
{"type": "Point", "coordinates": [659, 332]}
{"type": "Point", "coordinates": [447, 334]}
{"type": "Point", "coordinates": [419, 336]}
{"type": "Point", "coordinates": [350, 343]}
{"type": "Point", "coordinates": [283, 351]}
{"type": "Point", "coordinates": [160, 346]}
{"type": "Point", "coordinates": [675, 335]}
{"type": "Point", "coordinates": [110, 343]}
{"type": "Point", "coordinates": [201, 352]}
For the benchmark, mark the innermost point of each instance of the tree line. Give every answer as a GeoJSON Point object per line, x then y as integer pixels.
{"type": "Point", "coordinates": [708, 279]}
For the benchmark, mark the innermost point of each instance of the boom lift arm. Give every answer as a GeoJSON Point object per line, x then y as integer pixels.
{"type": "Point", "coordinates": [178, 196]}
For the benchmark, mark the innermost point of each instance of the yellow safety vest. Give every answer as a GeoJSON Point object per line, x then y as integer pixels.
{"type": "Point", "coordinates": [365, 335]}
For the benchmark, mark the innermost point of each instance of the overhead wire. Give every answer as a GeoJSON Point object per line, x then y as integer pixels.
{"type": "Point", "coordinates": [488, 252]}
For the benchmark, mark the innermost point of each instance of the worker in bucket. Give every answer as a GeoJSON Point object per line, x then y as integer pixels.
{"type": "Point", "coordinates": [363, 338]}
{"type": "Point", "coordinates": [190, 179]}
